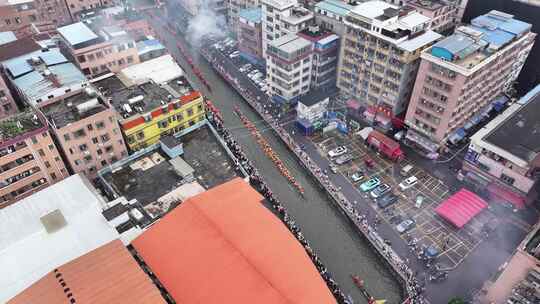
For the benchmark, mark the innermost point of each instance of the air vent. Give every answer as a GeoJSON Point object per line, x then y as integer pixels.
{"type": "Point", "coordinates": [53, 221]}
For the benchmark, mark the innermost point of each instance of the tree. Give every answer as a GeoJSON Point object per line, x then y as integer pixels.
{"type": "Point", "coordinates": [456, 301]}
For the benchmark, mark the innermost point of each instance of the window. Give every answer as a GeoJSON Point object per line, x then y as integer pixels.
{"type": "Point", "coordinates": [34, 140]}
{"type": "Point", "coordinates": [103, 162]}
{"type": "Point", "coordinates": [87, 159]}
{"type": "Point", "coordinates": [81, 59]}
{"type": "Point", "coordinates": [90, 127]}
{"type": "Point", "coordinates": [131, 139]}
{"type": "Point", "coordinates": [179, 117]}
{"type": "Point", "coordinates": [77, 162]}
{"type": "Point", "coordinates": [94, 140]}
{"type": "Point", "coordinates": [8, 22]}
{"type": "Point", "coordinates": [163, 124]}
{"type": "Point", "coordinates": [18, 20]}
{"type": "Point", "coordinates": [79, 133]}
{"type": "Point", "coordinates": [130, 59]}
{"type": "Point", "coordinates": [99, 55]}
{"type": "Point", "coordinates": [140, 135]}
{"type": "Point", "coordinates": [70, 151]}
{"type": "Point", "coordinates": [53, 175]}
{"type": "Point", "coordinates": [507, 179]}
{"type": "Point", "coordinates": [90, 57]}
{"type": "Point", "coordinates": [105, 137]}
{"type": "Point", "coordinates": [109, 149]}
{"type": "Point", "coordinates": [67, 137]}
{"type": "Point", "coordinates": [100, 125]}
{"type": "Point", "coordinates": [200, 108]}
{"type": "Point", "coordinates": [32, 18]}
{"type": "Point", "coordinates": [121, 61]}
{"type": "Point", "coordinates": [190, 112]}
{"type": "Point", "coordinates": [57, 158]}
{"type": "Point", "coordinates": [51, 147]}
{"type": "Point", "coordinates": [83, 147]}
{"type": "Point", "coordinates": [47, 164]}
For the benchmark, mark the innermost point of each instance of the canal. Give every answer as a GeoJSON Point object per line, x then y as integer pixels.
{"type": "Point", "coordinates": [331, 235]}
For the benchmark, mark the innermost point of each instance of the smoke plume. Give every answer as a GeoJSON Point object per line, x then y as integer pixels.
{"type": "Point", "coordinates": [206, 22]}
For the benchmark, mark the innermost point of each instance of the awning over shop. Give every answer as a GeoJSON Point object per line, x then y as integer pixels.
{"type": "Point", "coordinates": [501, 193]}
{"type": "Point", "coordinates": [422, 141]}
{"type": "Point", "coordinates": [457, 136]}
{"type": "Point", "coordinates": [499, 103]}
{"type": "Point", "coordinates": [461, 207]}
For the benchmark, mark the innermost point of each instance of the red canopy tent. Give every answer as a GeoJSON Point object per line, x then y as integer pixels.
{"type": "Point", "coordinates": [461, 207]}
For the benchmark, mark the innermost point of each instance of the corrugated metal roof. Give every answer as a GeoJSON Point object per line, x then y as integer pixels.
{"type": "Point", "coordinates": [455, 43]}
{"type": "Point", "coordinates": [77, 33]}
{"type": "Point", "coordinates": [18, 68]}
{"type": "Point", "coordinates": [52, 58]}
{"type": "Point", "coordinates": [150, 45]}
{"type": "Point", "coordinates": [334, 6]}
{"type": "Point", "coordinates": [6, 37]}
{"type": "Point", "coordinates": [28, 252]}
{"type": "Point", "coordinates": [251, 14]}
{"type": "Point", "coordinates": [105, 275]}
{"type": "Point", "coordinates": [417, 42]}
{"type": "Point", "coordinates": [236, 250]}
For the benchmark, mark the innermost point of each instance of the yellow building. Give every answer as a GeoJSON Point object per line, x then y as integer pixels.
{"type": "Point", "coordinates": [149, 110]}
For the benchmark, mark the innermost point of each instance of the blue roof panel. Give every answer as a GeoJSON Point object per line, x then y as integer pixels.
{"type": "Point", "coordinates": [52, 57]}
{"type": "Point", "coordinates": [18, 68]}
{"type": "Point", "coordinates": [337, 7]}
{"type": "Point", "coordinates": [251, 14]}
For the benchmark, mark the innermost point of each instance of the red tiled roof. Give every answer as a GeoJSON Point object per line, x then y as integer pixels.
{"type": "Point", "coordinates": [224, 246]}
{"type": "Point", "coordinates": [108, 274]}
{"type": "Point", "coordinates": [18, 48]}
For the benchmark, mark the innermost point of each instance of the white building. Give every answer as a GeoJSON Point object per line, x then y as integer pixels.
{"type": "Point", "coordinates": [312, 107]}
{"type": "Point", "coordinates": [48, 229]}
{"type": "Point", "coordinates": [288, 68]}
{"type": "Point", "coordinates": [282, 17]}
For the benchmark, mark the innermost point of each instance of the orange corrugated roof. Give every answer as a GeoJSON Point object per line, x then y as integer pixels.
{"type": "Point", "coordinates": [106, 275]}
{"type": "Point", "coordinates": [224, 246]}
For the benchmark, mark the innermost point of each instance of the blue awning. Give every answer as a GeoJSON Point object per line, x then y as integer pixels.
{"type": "Point", "coordinates": [457, 136]}
{"type": "Point", "coordinates": [499, 103]}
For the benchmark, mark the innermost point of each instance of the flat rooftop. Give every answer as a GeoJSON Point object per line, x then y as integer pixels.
{"type": "Point", "coordinates": [74, 108]}
{"type": "Point", "coordinates": [6, 37]}
{"type": "Point", "coordinates": [142, 98]}
{"type": "Point", "coordinates": [431, 5]}
{"type": "Point", "coordinates": [151, 176]}
{"type": "Point", "coordinates": [375, 9]}
{"type": "Point", "coordinates": [519, 134]}
{"type": "Point", "coordinates": [18, 124]}
{"type": "Point", "coordinates": [251, 14]}
{"type": "Point", "coordinates": [78, 35]}
{"type": "Point", "coordinates": [298, 15]}
{"type": "Point", "coordinates": [290, 44]}
{"type": "Point", "coordinates": [337, 7]}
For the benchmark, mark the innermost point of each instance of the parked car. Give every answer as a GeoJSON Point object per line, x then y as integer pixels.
{"type": "Point", "coordinates": [343, 159]}
{"type": "Point", "coordinates": [357, 176]}
{"type": "Point", "coordinates": [405, 226]}
{"type": "Point", "coordinates": [419, 201]}
{"type": "Point", "coordinates": [387, 200]}
{"type": "Point", "coordinates": [234, 54]}
{"type": "Point", "coordinates": [337, 151]}
{"type": "Point", "coordinates": [380, 191]}
{"type": "Point", "coordinates": [370, 184]}
{"type": "Point", "coordinates": [409, 182]}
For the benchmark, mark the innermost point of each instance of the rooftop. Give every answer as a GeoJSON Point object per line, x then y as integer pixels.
{"type": "Point", "coordinates": [18, 48]}
{"type": "Point", "coordinates": [151, 176]}
{"type": "Point", "coordinates": [375, 9]}
{"type": "Point", "coordinates": [315, 96]}
{"type": "Point", "coordinates": [19, 124]}
{"type": "Point", "coordinates": [298, 15]}
{"type": "Point", "coordinates": [107, 274]}
{"type": "Point", "coordinates": [160, 70]}
{"type": "Point", "coordinates": [519, 133]}
{"type": "Point", "coordinates": [237, 249]}
{"type": "Point", "coordinates": [420, 41]}
{"type": "Point", "coordinates": [335, 6]}
{"type": "Point", "coordinates": [149, 45]}
{"type": "Point", "coordinates": [42, 73]}
{"type": "Point", "coordinates": [251, 14]}
{"type": "Point", "coordinates": [78, 34]}
{"type": "Point", "coordinates": [289, 44]}
{"type": "Point", "coordinates": [470, 45]}
{"type": "Point", "coordinates": [143, 98]}
{"type": "Point", "coordinates": [6, 37]}
{"type": "Point", "coordinates": [432, 5]}
{"type": "Point", "coordinates": [74, 108]}
{"type": "Point", "coordinates": [53, 226]}
{"type": "Point", "coordinates": [314, 33]}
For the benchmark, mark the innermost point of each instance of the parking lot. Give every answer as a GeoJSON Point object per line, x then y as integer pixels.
{"type": "Point", "coordinates": [453, 244]}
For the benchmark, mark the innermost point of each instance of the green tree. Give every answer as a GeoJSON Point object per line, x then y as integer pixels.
{"type": "Point", "coordinates": [456, 301]}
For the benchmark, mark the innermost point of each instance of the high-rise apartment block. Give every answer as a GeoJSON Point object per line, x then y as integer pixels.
{"type": "Point", "coordinates": [380, 57]}
{"type": "Point", "coordinates": [21, 15]}
{"type": "Point", "coordinates": [288, 68]}
{"type": "Point", "coordinates": [250, 35]}
{"type": "Point", "coordinates": [98, 51]}
{"type": "Point", "coordinates": [234, 7]}
{"type": "Point", "coordinates": [29, 160]}
{"type": "Point", "coordinates": [7, 104]}
{"type": "Point", "coordinates": [463, 73]}
{"type": "Point", "coordinates": [282, 17]}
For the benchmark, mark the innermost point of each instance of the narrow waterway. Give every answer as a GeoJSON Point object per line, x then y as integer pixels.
{"type": "Point", "coordinates": [331, 235]}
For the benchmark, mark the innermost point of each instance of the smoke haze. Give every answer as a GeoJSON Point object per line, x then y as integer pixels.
{"type": "Point", "coordinates": [206, 22]}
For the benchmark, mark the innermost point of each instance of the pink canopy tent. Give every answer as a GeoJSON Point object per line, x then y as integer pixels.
{"type": "Point", "coordinates": [461, 207]}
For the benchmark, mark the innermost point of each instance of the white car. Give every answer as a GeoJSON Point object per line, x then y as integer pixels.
{"type": "Point", "coordinates": [337, 151]}
{"type": "Point", "coordinates": [409, 182]}
{"type": "Point", "coordinates": [234, 54]}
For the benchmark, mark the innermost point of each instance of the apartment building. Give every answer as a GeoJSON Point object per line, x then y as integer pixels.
{"type": "Point", "coordinates": [29, 160]}
{"type": "Point", "coordinates": [325, 56]}
{"type": "Point", "coordinates": [444, 15]}
{"type": "Point", "coordinates": [7, 103]}
{"type": "Point", "coordinates": [462, 74]}
{"type": "Point", "coordinates": [20, 15]}
{"type": "Point", "coordinates": [282, 17]}
{"type": "Point", "coordinates": [379, 57]}
{"type": "Point", "coordinates": [288, 68]}
{"type": "Point", "coordinates": [250, 35]}
{"type": "Point", "coordinates": [77, 7]}
{"type": "Point", "coordinates": [98, 51]}
{"type": "Point", "coordinates": [234, 8]}
{"type": "Point", "coordinates": [504, 155]}
{"type": "Point", "coordinates": [153, 99]}
{"type": "Point", "coordinates": [331, 14]}
{"type": "Point", "coordinates": [86, 128]}
{"type": "Point", "coordinates": [43, 76]}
